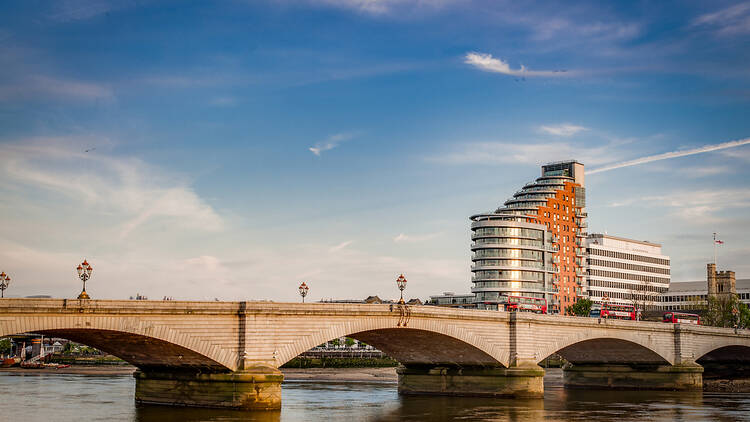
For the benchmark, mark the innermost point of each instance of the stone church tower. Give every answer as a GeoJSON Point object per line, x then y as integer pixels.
{"type": "Point", "coordinates": [720, 283]}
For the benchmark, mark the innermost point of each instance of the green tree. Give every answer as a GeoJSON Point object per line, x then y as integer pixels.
{"type": "Point", "coordinates": [582, 307]}
{"type": "Point", "coordinates": [349, 342]}
{"type": "Point", "coordinates": [4, 346]}
{"type": "Point", "coordinates": [726, 311]}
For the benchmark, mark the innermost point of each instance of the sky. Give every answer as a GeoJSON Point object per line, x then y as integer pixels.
{"type": "Point", "coordinates": [232, 150]}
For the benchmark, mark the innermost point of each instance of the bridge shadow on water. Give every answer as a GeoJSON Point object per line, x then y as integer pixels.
{"type": "Point", "coordinates": [310, 401]}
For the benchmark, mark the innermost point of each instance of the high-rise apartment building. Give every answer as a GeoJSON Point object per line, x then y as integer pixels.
{"type": "Point", "coordinates": [626, 271]}
{"type": "Point", "coordinates": [534, 244]}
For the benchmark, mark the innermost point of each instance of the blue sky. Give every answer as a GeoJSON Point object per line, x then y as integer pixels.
{"type": "Point", "coordinates": [235, 149]}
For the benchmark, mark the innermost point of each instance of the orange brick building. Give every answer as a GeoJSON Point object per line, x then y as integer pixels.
{"type": "Point", "coordinates": [533, 246]}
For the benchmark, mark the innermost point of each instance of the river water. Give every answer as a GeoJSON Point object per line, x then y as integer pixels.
{"type": "Point", "coordinates": [60, 397]}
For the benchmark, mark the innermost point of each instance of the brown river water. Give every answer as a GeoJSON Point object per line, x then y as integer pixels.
{"type": "Point", "coordinates": [43, 396]}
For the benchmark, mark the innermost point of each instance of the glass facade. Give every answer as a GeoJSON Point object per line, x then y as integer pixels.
{"type": "Point", "coordinates": [510, 256]}
{"type": "Point", "coordinates": [532, 245]}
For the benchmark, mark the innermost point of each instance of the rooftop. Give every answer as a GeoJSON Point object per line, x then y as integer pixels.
{"type": "Point", "coordinates": [624, 239]}
{"type": "Point", "coordinates": [702, 286]}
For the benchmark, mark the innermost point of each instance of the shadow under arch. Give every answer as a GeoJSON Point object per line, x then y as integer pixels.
{"type": "Point", "coordinates": [417, 347]}
{"type": "Point", "coordinates": [144, 352]}
{"type": "Point", "coordinates": [726, 362]}
{"type": "Point", "coordinates": [609, 350]}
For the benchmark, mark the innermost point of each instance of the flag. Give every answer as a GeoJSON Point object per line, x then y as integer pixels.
{"type": "Point", "coordinates": [719, 242]}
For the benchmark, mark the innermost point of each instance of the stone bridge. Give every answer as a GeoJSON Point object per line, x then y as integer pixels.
{"type": "Point", "coordinates": [227, 354]}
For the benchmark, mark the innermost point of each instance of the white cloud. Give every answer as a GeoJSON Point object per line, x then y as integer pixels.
{"type": "Point", "coordinates": [673, 154]}
{"type": "Point", "coordinates": [565, 130]}
{"type": "Point", "coordinates": [80, 10]}
{"type": "Point", "coordinates": [699, 206]}
{"type": "Point", "coordinates": [127, 190]}
{"type": "Point", "coordinates": [340, 246]}
{"type": "Point", "coordinates": [330, 143]}
{"type": "Point", "coordinates": [488, 63]}
{"type": "Point", "coordinates": [224, 101]}
{"type": "Point", "coordinates": [47, 87]}
{"type": "Point", "coordinates": [733, 20]}
{"type": "Point", "coordinates": [493, 153]}
{"type": "Point", "coordinates": [404, 238]}
{"type": "Point", "coordinates": [383, 7]}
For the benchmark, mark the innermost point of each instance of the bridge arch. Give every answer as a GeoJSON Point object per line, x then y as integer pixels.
{"type": "Point", "coordinates": [139, 342]}
{"type": "Point", "coordinates": [611, 347]}
{"type": "Point", "coordinates": [422, 342]}
{"type": "Point", "coordinates": [724, 349]}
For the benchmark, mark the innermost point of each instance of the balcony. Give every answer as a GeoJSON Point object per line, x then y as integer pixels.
{"type": "Point", "coordinates": [580, 214]}
{"type": "Point", "coordinates": [582, 234]}
{"type": "Point", "coordinates": [580, 252]}
{"type": "Point", "coordinates": [580, 272]}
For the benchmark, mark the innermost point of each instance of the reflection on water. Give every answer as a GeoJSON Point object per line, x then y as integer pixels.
{"type": "Point", "coordinates": [57, 397]}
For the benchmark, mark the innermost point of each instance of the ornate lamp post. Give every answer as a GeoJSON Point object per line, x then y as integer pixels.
{"type": "Point", "coordinates": [303, 291]}
{"type": "Point", "coordinates": [4, 282]}
{"type": "Point", "coordinates": [84, 273]}
{"type": "Point", "coordinates": [401, 283]}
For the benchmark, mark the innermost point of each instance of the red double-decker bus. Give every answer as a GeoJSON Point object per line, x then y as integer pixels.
{"type": "Point", "coordinates": [613, 311]}
{"type": "Point", "coordinates": [681, 318]}
{"type": "Point", "coordinates": [526, 304]}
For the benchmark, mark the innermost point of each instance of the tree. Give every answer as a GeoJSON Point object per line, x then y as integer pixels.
{"type": "Point", "coordinates": [726, 311]}
{"type": "Point", "coordinates": [349, 342]}
{"type": "Point", "coordinates": [582, 307]}
{"type": "Point", "coordinates": [5, 346]}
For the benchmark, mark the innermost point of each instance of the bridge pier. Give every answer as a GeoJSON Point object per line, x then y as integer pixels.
{"type": "Point", "coordinates": [526, 381]}
{"type": "Point", "coordinates": [634, 377]}
{"type": "Point", "coordinates": [257, 388]}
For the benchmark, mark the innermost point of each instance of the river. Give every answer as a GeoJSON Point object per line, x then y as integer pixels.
{"type": "Point", "coordinates": [66, 397]}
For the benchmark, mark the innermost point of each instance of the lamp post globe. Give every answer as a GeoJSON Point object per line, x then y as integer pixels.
{"type": "Point", "coordinates": [4, 283]}
{"type": "Point", "coordinates": [303, 290]}
{"type": "Point", "coordinates": [401, 283]}
{"type": "Point", "coordinates": [84, 270]}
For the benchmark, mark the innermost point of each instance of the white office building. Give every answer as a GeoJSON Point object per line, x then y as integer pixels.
{"type": "Point", "coordinates": [626, 271]}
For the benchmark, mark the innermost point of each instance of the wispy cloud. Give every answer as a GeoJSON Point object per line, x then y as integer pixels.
{"type": "Point", "coordinates": [79, 10]}
{"type": "Point", "coordinates": [562, 130]}
{"type": "Point", "coordinates": [340, 246]}
{"type": "Point", "coordinates": [705, 206]}
{"type": "Point", "coordinates": [668, 155]}
{"type": "Point", "coordinates": [404, 238]}
{"type": "Point", "coordinates": [488, 63]}
{"type": "Point", "coordinates": [493, 153]}
{"type": "Point", "coordinates": [127, 191]}
{"type": "Point", "coordinates": [330, 143]}
{"type": "Point", "coordinates": [386, 7]}
{"type": "Point", "coordinates": [223, 101]}
{"type": "Point", "coordinates": [38, 86]}
{"type": "Point", "coordinates": [733, 20]}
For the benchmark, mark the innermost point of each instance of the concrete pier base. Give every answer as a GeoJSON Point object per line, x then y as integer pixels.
{"type": "Point", "coordinates": [252, 389]}
{"type": "Point", "coordinates": [634, 377]}
{"type": "Point", "coordinates": [472, 381]}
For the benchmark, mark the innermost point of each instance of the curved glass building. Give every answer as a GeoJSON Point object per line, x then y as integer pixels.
{"type": "Point", "coordinates": [533, 245]}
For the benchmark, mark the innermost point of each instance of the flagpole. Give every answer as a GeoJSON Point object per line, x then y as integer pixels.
{"type": "Point", "coordinates": [715, 250]}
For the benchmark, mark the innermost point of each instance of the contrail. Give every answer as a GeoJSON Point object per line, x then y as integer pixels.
{"type": "Point", "coordinates": [673, 154]}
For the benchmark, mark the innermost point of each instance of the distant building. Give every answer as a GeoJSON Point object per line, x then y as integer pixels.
{"type": "Point", "coordinates": [693, 295]}
{"type": "Point", "coordinates": [452, 300]}
{"type": "Point", "coordinates": [626, 271]}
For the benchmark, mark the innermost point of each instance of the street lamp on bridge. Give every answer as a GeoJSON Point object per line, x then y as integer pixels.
{"type": "Point", "coordinates": [4, 282]}
{"type": "Point", "coordinates": [401, 283]}
{"type": "Point", "coordinates": [84, 273]}
{"type": "Point", "coordinates": [303, 291]}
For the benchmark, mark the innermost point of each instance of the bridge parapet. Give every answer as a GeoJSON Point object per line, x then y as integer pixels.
{"type": "Point", "coordinates": [437, 346]}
